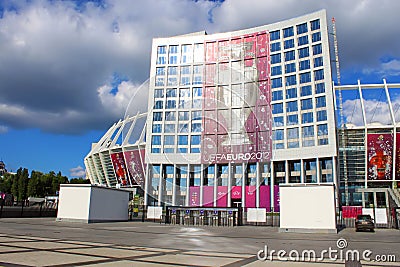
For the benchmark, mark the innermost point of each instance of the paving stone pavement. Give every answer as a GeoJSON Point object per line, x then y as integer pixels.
{"type": "Point", "coordinates": [29, 244]}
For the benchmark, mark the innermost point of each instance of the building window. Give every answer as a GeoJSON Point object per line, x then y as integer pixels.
{"type": "Point", "coordinates": [278, 121]}
{"type": "Point", "coordinates": [169, 140]}
{"type": "Point", "coordinates": [306, 104]}
{"type": "Point", "coordinates": [183, 115]}
{"type": "Point", "coordinates": [169, 128]}
{"type": "Point", "coordinates": [277, 82]}
{"type": "Point", "coordinates": [293, 133]}
{"type": "Point", "coordinates": [290, 68]}
{"type": "Point", "coordinates": [195, 140]}
{"type": "Point", "coordinates": [183, 140]}
{"type": "Point", "coordinates": [291, 93]}
{"type": "Point", "coordinates": [321, 115]}
{"type": "Point", "coordinates": [277, 135]}
{"type": "Point", "coordinates": [185, 80]}
{"type": "Point", "coordinates": [172, 81]}
{"type": "Point", "coordinates": [292, 119]}
{"type": "Point", "coordinates": [161, 55]}
{"type": "Point", "coordinates": [173, 59]}
{"type": "Point", "coordinates": [323, 129]}
{"type": "Point", "coordinates": [304, 65]}
{"type": "Point", "coordinates": [289, 55]}
{"type": "Point", "coordinates": [198, 55]}
{"type": "Point", "coordinates": [170, 104]}
{"type": "Point", "coordinates": [275, 35]}
{"type": "Point", "coordinates": [287, 32]}
{"type": "Point", "coordinates": [305, 90]}
{"type": "Point", "coordinates": [290, 80]}
{"type": "Point", "coordinates": [171, 93]}
{"type": "Point", "coordinates": [159, 104]}
{"type": "Point", "coordinates": [196, 115]}
{"type": "Point", "coordinates": [156, 140]}
{"type": "Point", "coordinates": [303, 40]}
{"type": "Point", "coordinates": [275, 47]}
{"type": "Point", "coordinates": [196, 127]}
{"type": "Point", "coordinates": [170, 116]}
{"type": "Point", "coordinates": [157, 116]}
{"type": "Point", "coordinates": [307, 117]}
{"type": "Point", "coordinates": [158, 93]}
{"type": "Point", "coordinates": [320, 88]}
{"type": "Point", "coordinates": [276, 58]}
{"type": "Point", "coordinates": [160, 71]}
{"type": "Point", "coordinates": [318, 62]}
{"type": "Point", "coordinates": [157, 128]}
{"type": "Point", "coordinates": [308, 131]}
{"type": "Point", "coordinates": [276, 70]}
{"type": "Point", "coordinates": [197, 91]}
{"type": "Point", "coordinates": [318, 75]}
{"type": "Point", "coordinates": [288, 44]}
{"type": "Point", "coordinates": [302, 28]}
{"type": "Point", "coordinates": [277, 108]}
{"type": "Point", "coordinates": [305, 77]}
{"type": "Point", "coordinates": [277, 95]}
{"type": "Point", "coordinates": [160, 81]}
{"type": "Point", "coordinates": [320, 102]}
{"type": "Point", "coordinates": [155, 150]}
{"type": "Point", "coordinates": [304, 52]}
{"type": "Point", "coordinates": [316, 37]}
{"type": "Point", "coordinates": [187, 54]}
{"type": "Point", "coordinates": [315, 25]}
{"type": "Point", "coordinates": [291, 106]}
{"type": "Point", "coordinates": [317, 49]}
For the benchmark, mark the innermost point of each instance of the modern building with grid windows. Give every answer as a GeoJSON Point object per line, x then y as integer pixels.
{"type": "Point", "coordinates": [232, 116]}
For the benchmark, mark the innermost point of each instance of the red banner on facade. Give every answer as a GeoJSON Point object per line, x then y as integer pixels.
{"type": "Point", "coordinates": [237, 101]}
{"type": "Point", "coordinates": [351, 211]}
{"type": "Point", "coordinates": [120, 168]}
{"type": "Point", "coordinates": [380, 155]}
{"type": "Point", "coordinates": [135, 161]}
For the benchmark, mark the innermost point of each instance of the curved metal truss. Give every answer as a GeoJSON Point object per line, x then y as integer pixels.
{"type": "Point", "coordinates": [117, 159]}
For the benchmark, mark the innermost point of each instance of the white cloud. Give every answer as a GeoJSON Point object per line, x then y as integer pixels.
{"type": "Point", "coordinates": [77, 172]}
{"type": "Point", "coordinates": [3, 129]}
{"type": "Point", "coordinates": [56, 59]}
{"type": "Point", "coordinates": [375, 111]}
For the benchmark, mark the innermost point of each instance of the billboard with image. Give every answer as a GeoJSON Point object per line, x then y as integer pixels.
{"type": "Point", "coordinates": [237, 111]}
{"type": "Point", "coordinates": [380, 156]}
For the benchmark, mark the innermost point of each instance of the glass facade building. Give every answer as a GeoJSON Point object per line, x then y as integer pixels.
{"type": "Point", "coordinates": [231, 116]}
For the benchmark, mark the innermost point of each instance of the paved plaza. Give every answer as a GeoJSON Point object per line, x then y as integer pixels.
{"type": "Point", "coordinates": [45, 242]}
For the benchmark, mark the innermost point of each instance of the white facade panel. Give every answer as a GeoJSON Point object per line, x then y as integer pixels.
{"type": "Point", "coordinates": [307, 208]}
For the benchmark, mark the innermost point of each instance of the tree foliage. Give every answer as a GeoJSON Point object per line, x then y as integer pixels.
{"type": "Point", "coordinates": [37, 185]}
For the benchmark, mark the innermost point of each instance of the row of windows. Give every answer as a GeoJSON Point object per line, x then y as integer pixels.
{"type": "Point", "coordinates": [183, 92]}
{"type": "Point", "coordinates": [181, 140]}
{"type": "Point", "coordinates": [291, 67]}
{"type": "Point", "coordinates": [290, 55]}
{"type": "Point", "coordinates": [290, 43]}
{"type": "Point", "coordinates": [306, 104]}
{"type": "Point", "coordinates": [292, 80]}
{"type": "Point", "coordinates": [167, 150]}
{"type": "Point", "coordinates": [292, 92]}
{"type": "Point", "coordinates": [293, 119]}
{"type": "Point", "coordinates": [182, 116]}
{"type": "Point", "coordinates": [293, 133]}
{"type": "Point", "coordinates": [301, 28]}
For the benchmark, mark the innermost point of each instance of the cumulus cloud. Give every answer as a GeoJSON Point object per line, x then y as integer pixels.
{"type": "Point", "coordinates": [3, 129]}
{"type": "Point", "coordinates": [57, 58]}
{"type": "Point", "coordinates": [77, 172]}
{"type": "Point", "coordinates": [376, 111]}
{"type": "Point", "coordinates": [366, 30]}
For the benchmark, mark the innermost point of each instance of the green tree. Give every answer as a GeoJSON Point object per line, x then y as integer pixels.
{"type": "Point", "coordinates": [6, 183]}
{"type": "Point", "coordinates": [23, 179]}
{"type": "Point", "coordinates": [15, 183]}
{"type": "Point", "coordinates": [35, 188]}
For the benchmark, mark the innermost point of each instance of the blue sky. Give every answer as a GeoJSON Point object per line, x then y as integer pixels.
{"type": "Point", "coordinates": [69, 68]}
